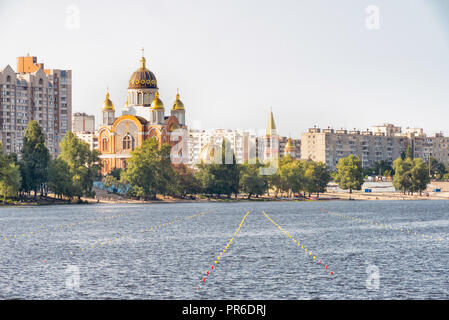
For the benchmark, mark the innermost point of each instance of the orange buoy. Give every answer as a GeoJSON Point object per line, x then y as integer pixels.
{"type": "Point", "coordinates": [319, 261]}
{"type": "Point", "coordinates": [204, 279]}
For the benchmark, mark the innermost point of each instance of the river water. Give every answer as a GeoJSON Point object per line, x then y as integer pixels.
{"type": "Point", "coordinates": [104, 251]}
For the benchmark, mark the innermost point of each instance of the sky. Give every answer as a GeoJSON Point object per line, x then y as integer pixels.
{"type": "Point", "coordinates": [329, 63]}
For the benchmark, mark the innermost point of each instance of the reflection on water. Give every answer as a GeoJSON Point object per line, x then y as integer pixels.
{"type": "Point", "coordinates": [261, 263]}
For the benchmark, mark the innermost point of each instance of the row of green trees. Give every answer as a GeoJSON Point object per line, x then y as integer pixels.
{"type": "Point", "coordinates": [70, 175]}
{"type": "Point", "coordinates": [150, 172]}
{"type": "Point", "coordinates": [410, 175]}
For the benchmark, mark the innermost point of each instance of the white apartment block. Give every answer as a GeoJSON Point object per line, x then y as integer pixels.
{"type": "Point", "coordinates": [34, 93]}
{"type": "Point", "coordinates": [242, 143]}
{"type": "Point", "coordinates": [90, 138]}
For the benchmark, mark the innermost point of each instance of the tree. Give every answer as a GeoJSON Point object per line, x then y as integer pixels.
{"type": "Point", "coordinates": [149, 170]}
{"type": "Point", "coordinates": [35, 159]}
{"type": "Point", "coordinates": [349, 173]}
{"type": "Point", "coordinates": [411, 175]}
{"type": "Point", "coordinates": [10, 180]}
{"type": "Point", "coordinates": [116, 172]}
{"type": "Point", "coordinates": [188, 182]}
{"type": "Point", "coordinates": [420, 176]}
{"type": "Point", "coordinates": [251, 182]}
{"type": "Point", "coordinates": [83, 163]}
{"type": "Point", "coordinates": [317, 177]}
{"type": "Point", "coordinates": [291, 175]}
{"type": "Point", "coordinates": [409, 153]}
{"type": "Point", "coordinates": [402, 179]}
{"type": "Point", "coordinates": [220, 178]}
{"type": "Point", "coordinates": [110, 181]}
{"type": "Point", "coordinates": [60, 178]}
{"type": "Point", "coordinates": [436, 169]}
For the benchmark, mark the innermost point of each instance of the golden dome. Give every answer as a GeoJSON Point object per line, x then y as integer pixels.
{"type": "Point", "coordinates": [107, 104]}
{"type": "Point", "coordinates": [143, 78]}
{"type": "Point", "coordinates": [157, 103]}
{"type": "Point", "coordinates": [178, 105]}
{"type": "Point", "coordinates": [289, 147]}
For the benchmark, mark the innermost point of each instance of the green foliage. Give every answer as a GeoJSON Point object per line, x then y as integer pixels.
{"type": "Point", "coordinates": [116, 172]}
{"type": "Point", "coordinates": [437, 169]}
{"type": "Point", "coordinates": [149, 170]}
{"type": "Point", "coordinates": [420, 176]}
{"type": "Point", "coordinates": [250, 180]}
{"type": "Point", "coordinates": [111, 181]}
{"type": "Point", "coordinates": [349, 173]}
{"type": "Point", "coordinates": [35, 159]}
{"type": "Point", "coordinates": [410, 175]}
{"type": "Point", "coordinates": [219, 178]}
{"type": "Point", "coordinates": [187, 181]}
{"type": "Point", "coordinates": [409, 153]}
{"type": "Point", "coordinates": [83, 164]}
{"type": "Point", "coordinates": [402, 179]}
{"type": "Point", "coordinates": [10, 178]}
{"type": "Point", "coordinates": [291, 176]}
{"type": "Point", "coordinates": [383, 168]}
{"type": "Point", "coordinates": [300, 176]}
{"type": "Point", "coordinates": [60, 178]}
{"type": "Point", "coordinates": [316, 177]}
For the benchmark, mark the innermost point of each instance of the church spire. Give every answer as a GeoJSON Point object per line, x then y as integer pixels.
{"type": "Point", "coordinates": [271, 128]}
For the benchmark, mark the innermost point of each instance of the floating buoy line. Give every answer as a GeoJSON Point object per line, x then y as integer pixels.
{"type": "Point", "coordinates": [298, 244]}
{"type": "Point", "coordinates": [222, 252]}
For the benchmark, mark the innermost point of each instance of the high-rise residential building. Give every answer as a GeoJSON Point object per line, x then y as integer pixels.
{"type": "Point", "coordinates": [329, 145]}
{"type": "Point", "coordinates": [82, 122]}
{"type": "Point", "coordinates": [34, 93]}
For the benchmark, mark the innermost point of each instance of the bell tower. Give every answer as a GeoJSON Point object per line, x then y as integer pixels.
{"type": "Point", "coordinates": [108, 111]}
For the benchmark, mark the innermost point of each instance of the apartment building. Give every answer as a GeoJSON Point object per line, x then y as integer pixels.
{"type": "Point", "coordinates": [329, 145]}
{"type": "Point", "coordinates": [82, 122]}
{"type": "Point", "coordinates": [242, 143]}
{"type": "Point", "coordinates": [34, 93]}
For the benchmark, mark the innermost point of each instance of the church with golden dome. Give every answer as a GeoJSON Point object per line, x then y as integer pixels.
{"type": "Point", "coordinates": [142, 117]}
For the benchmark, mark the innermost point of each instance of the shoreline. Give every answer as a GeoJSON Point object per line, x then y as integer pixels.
{"type": "Point", "coordinates": [327, 196]}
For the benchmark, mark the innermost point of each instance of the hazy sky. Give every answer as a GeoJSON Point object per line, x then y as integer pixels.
{"type": "Point", "coordinates": [313, 61]}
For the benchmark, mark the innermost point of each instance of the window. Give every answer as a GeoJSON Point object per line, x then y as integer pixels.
{"type": "Point", "coordinates": [128, 143]}
{"type": "Point", "coordinates": [104, 144]}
